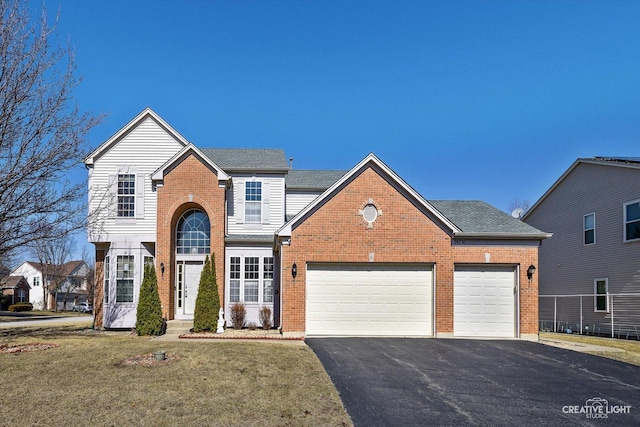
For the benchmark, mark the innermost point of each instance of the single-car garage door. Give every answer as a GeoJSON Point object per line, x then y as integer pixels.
{"type": "Point", "coordinates": [369, 299]}
{"type": "Point", "coordinates": [484, 301]}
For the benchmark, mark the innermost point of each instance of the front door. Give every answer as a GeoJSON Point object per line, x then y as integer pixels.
{"type": "Point", "coordinates": [187, 282]}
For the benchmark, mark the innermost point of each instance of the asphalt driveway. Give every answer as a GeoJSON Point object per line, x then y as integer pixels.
{"type": "Point", "coordinates": [412, 382]}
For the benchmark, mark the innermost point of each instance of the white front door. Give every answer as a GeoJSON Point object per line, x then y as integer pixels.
{"type": "Point", "coordinates": [187, 282]}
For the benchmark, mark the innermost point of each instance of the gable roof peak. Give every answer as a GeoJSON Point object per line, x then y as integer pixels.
{"type": "Point", "coordinates": [135, 122]}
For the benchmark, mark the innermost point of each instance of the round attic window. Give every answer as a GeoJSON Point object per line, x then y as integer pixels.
{"type": "Point", "coordinates": [370, 213]}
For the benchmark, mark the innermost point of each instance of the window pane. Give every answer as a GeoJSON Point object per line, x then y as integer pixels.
{"type": "Point", "coordinates": [235, 267]}
{"type": "Point", "coordinates": [589, 221]}
{"type": "Point", "coordinates": [106, 280]}
{"type": "Point", "coordinates": [124, 278]}
{"type": "Point", "coordinates": [252, 268]}
{"type": "Point", "coordinates": [633, 211]}
{"type": "Point", "coordinates": [601, 301]}
{"type": "Point", "coordinates": [589, 237]}
{"type": "Point", "coordinates": [126, 195]}
{"type": "Point", "coordinates": [253, 202]}
{"type": "Point", "coordinates": [193, 233]}
{"type": "Point", "coordinates": [234, 291]}
{"type": "Point", "coordinates": [267, 291]}
{"type": "Point", "coordinates": [251, 291]}
{"type": "Point", "coordinates": [633, 230]}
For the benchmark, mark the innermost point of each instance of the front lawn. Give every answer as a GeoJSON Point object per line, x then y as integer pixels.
{"type": "Point", "coordinates": [95, 378]}
{"type": "Point", "coordinates": [631, 353]}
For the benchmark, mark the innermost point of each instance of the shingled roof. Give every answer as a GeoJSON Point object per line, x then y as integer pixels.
{"type": "Point", "coordinates": [474, 217]}
{"type": "Point", "coordinates": [300, 179]}
{"type": "Point", "coordinates": [248, 159]}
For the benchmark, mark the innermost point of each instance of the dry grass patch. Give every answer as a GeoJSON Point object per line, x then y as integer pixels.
{"type": "Point", "coordinates": [631, 353]}
{"type": "Point", "coordinates": [206, 383]}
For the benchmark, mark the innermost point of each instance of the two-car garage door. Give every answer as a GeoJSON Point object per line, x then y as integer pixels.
{"type": "Point", "coordinates": [369, 299]}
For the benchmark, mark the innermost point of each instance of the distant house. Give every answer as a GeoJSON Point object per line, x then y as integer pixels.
{"type": "Point", "coordinates": [593, 211]}
{"type": "Point", "coordinates": [15, 288]}
{"type": "Point", "coordinates": [66, 284]}
{"type": "Point", "coordinates": [355, 252]}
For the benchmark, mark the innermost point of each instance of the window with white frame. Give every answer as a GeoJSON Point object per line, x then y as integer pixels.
{"type": "Point", "coordinates": [589, 229]}
{"type": "Point", "coordinates": [632, 221]}
{"type": "Point", "coordinates": [22, 295]}
{"type": "Point", "coordinates": [234, 284]}
{"type": "Point", "coordinates": [106, 279]}
{"type": "Point", "coordinates": [126, 194]}
{"type": "Point", "coordinates": [124, 278]}
{"type": "Point", "coordinates": [253, 202]}
{"type": "Point", "coordinates": [251, 279]}
{"type": "Point", "coordinates": [36, 281]}
{"type": "Point", "coordinates": [193, 233]}
{"type": "Point", "coordinates": [267, 279]}
{"type": "Point", "coordinates": [601, 295]}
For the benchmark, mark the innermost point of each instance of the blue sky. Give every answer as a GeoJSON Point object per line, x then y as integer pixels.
{"type": "Point", "coordinates": [477, 100]}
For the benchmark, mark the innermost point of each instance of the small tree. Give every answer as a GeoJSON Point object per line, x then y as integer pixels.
{"type": "Point", "coordinates": [149, 314]}
{"type": "Point", "coordinates": [205, 316]}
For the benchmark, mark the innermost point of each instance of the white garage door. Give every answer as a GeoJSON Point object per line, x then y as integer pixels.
{"type": "Point", "coordinates": [484, 301]}
{"type": "Point", "coordinates": [369, 300]}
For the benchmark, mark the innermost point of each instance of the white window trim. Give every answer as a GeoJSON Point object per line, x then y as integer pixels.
{"type": "Point", "coordinates": [106, 278]}
{"type": "Point", "coordinates": [596, 295]}
{"type": "Point", "coordinates": [241, 202]}
{"type": "Point", "coordinates": [624, 221]}
{"type": "Point", "coordinates": [261, 279]}
{"type": "Point", "coordinates": [584, 229]}
{"type": "Point", "coordinates": [133, 279]}
{"type": "Point", "coordinates": [139, 189]}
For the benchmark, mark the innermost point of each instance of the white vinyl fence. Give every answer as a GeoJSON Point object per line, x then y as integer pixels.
{"type": "Point", "coordinates": [615, 315]}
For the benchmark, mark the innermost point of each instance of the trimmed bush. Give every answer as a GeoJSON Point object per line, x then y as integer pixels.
{"type": "Point", "coordinates": [205, 316]}
{"type": "Point", "coordinates": [21, 306]}
{"type": "Point", "coordinates": [265, 317]}
{"type": "Point", "coordinates": [238, 315]}
{"type": "Point", "coordinates": [149, 314]}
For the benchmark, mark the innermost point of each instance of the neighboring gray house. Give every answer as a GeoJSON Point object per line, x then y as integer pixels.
{"type": "Point", "coordinates": [593, 211]}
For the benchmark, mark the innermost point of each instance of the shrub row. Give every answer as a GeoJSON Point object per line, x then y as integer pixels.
{"type": "Point", "coordinates": [21, 306]}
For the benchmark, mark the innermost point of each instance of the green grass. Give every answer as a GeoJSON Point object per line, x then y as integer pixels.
{"type": "Point", "coordinates": [631, 353]}
{"type": "Point", "coordinates": [84, 382]}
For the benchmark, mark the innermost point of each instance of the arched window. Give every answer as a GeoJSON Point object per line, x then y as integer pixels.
{"type": "Point", "coordinates": [193, 234]}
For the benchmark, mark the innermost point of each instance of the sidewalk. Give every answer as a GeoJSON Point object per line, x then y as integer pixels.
{"type": "Point", "coordinates": [577, 346]}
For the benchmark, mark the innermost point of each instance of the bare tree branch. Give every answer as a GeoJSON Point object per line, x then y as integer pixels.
{"type": "Point", "coordinates": [42, 132]}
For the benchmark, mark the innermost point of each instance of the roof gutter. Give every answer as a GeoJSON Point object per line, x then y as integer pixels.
{"type": "Point", "coordinates": [503, 236]}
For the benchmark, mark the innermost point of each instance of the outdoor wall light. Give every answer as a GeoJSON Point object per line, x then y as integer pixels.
{"type": "Point", "coordinates": [294, 270]}
{"type": "Point", "coordinates": [162, 268]}
{"type": "Point", "coordinates": [530, 271]}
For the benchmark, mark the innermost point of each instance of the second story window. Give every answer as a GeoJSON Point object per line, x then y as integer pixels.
{"type": "Point", "coordinates": [126, 195]}
{"type": "Point", "coordinates": [589, 228]}
{"type": "Point", "coordinates": [253, 202]}
{"type": "Point", "coordinates": [632, 221]}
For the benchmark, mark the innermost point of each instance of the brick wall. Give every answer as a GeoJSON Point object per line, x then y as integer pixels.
{"type": "Point", "coordinates": [191, 184]}
{"type": "Point", "coordinates": [336, 232]}
{"type": "Point", "coordinates": [98, 296]}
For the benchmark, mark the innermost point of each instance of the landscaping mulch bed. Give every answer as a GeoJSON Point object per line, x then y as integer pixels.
{"type": "Point", "coordinates": [26, 348]}
{"type": "Point", "coordinates": [242, 334]}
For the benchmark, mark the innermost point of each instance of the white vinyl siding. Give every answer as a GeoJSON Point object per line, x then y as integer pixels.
{"type": "Point", "coordinates": [298, 201]}
{"type": "Point", "coordinates": [144, 149]}
{"type": "Point", "coordinates": [271, 208]}
{"type": "Point", "coordinates": [369, 300]}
